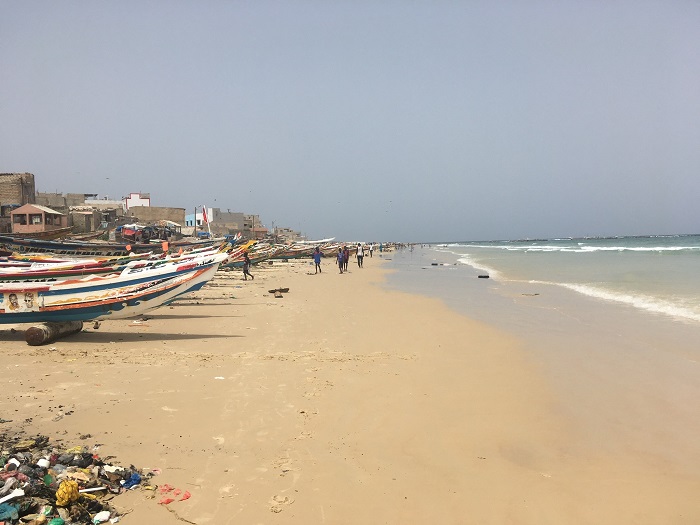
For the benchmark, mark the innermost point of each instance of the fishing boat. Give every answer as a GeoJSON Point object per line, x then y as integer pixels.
{"type": "Point", "coordinates": [131, 292]}
{"type": "Point", "coordinates": [257, 253]}
{"type": "Point", "coordinates": [43, 234]}
{"type": "Point", "coordinates": [91, 249]}
{"type": "Point", "coordinates": [295, 251]}
{"type": "Point", "coordinates": [87, 236]}
{"type": "Point", "coordinates": [45, 269]}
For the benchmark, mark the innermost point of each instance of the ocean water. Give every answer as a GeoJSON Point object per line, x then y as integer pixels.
{"type": "Point", "coordinates": [659, 274]}
{"type": "Point", "coordinates": [612, 325]}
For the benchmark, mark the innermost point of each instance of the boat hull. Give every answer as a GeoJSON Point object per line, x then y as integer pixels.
{"type": "Point", "coordinates": [103, 298]}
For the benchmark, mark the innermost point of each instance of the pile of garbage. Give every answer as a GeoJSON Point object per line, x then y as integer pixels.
{"type": "Point", "coordinates": [43, 484]}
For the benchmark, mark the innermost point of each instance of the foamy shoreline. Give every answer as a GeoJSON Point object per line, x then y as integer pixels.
{"type": "Point", "coordinates": [342, 402]}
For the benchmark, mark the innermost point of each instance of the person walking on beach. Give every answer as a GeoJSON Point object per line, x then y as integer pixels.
{"type": "Point", "coordinates": [341, 259]}
{"type": "Point", "coordinates": [246, 267]}
{"type": "Point", "coordinates": [346, 258]}
{"type": "Point", "coordinates": [371, 249]}
{"type": "Point", "coordinates": [317, 259]}
{"type": "Point", "coordinates": [360, 255]}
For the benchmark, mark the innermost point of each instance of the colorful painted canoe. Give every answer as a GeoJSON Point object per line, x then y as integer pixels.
{"type": "Point", "coordinates": [131, 292]}
{"type": "Point", "coordinates": [54, 269]}
{"type": "Point", "coordinates": [94, 249]}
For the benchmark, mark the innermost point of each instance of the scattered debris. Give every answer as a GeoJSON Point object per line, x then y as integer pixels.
{"type": "Point", "coordinates": [46, 483]}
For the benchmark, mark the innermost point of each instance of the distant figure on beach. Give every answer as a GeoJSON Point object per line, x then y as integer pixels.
{"type": "Point", "coordinates": [371, 249]}
{"type": "Point", "coordinates": [346, 258]}
{"type": "Point", "coordinates": [341, 259]}
{"type": "Point", "coordinates": [317, 259]}
{"type": "Point", "coordinates": [246, 267]}
{"type": "Point", "coordinates": [360, 254]}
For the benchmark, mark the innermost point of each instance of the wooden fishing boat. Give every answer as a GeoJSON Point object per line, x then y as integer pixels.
{"type": "Point", "coordinates": [295, 252]}
{"type": "Point", "coordinates": [87, 236]}
{"type": "Point", "coordinates": [330, 249]}
{"type": "Point", "coordinates": [91, 249]}
{"type": "Point", "coordinates": [57, 269]}
{"type": "Point", "coordinates": [257, 253]}
{"type": "Point", "coordinates": [131, 292]}
{"type": "Point", "coordinates": [45, 235]}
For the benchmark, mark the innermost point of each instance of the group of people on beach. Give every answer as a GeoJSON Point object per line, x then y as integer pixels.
{"type": "Point", "coordinates": [343, 258]}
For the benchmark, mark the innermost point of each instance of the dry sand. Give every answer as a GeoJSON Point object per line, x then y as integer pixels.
{"type": "Point", "coordinates": [340, 403]}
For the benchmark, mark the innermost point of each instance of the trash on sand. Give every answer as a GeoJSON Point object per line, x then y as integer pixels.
{"type": "Point", "coordinates": [47, 483]}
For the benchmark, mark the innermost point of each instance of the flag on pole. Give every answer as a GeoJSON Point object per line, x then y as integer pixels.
{"type": "Point", "coordinates": [205, 219]}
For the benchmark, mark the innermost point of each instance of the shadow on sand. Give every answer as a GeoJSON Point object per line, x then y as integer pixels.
{"type": "Point", "coordinates": [158, 317]}
{"type": "Point", "coordinates": [133, 337]}
{"type": "Point", "coordinates": [96, 337]}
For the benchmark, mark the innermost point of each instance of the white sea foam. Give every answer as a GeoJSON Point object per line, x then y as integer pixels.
{"type": "Point", "coordinates": [643, 302]}
{"type": "Point", "coordinates": [582, 248]}
{"type": "Point", "coordinates": [465, 259]}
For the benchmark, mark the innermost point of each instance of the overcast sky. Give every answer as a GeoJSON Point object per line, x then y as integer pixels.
{"type": "Point", "coordinates": [375, 120]}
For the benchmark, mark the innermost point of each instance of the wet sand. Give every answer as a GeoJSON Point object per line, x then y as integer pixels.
{"type": "Point", "coordinates": [342, 402]}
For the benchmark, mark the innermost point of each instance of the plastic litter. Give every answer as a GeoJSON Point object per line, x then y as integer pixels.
{"type": "Point", "coordinates": [12, 495]}
{"type": "Point", "coordinates": [8, 512]}
{"type": "Point", "coordinates": [44, 483]}
{"type": "Point", "coordinates": [134, 480]}
{"type": "Point", "coordinates": [67, 493]}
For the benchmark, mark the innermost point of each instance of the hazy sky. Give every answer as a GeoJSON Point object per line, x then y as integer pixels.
{"type": "Point", "coordinates": [375, 120]}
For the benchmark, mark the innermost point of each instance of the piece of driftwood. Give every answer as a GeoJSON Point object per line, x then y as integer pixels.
{"type": "Point", "coordinates": [44, 333]}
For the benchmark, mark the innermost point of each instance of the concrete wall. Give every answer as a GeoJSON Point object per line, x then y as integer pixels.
{"type": "Point", "coordinates": [226, 222]}
{"type": "Point", "coordinates": [55, 201]}
{"type": "Point", "coordinates": [105, 204]}
{"type": "Point", "coordinates": [149, 214]}
{"type": "Point", "coordinates": [59, 201]}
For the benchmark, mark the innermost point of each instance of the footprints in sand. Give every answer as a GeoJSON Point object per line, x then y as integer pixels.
{"type": "Point", "coordinates": [278, 503]}
{"type": "Point", "coordinates": [333, 356]}
{"type": "Point", "coordinates": [317, 385]}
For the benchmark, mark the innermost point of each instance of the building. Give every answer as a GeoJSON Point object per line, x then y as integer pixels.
{"type": "Point", "coordinates": [86, 219]}
{"type": "Point", "coordinates": [253, 228]}
{"type": "Point", "coordinates": [137, 199]}
{"type": "Point", "coordinates": [16, 189]}
{"type": "Point", "coordinates": [106, 204]}
{"type": "Point", "coordinates": [84, 211]}
{"type": "Point", "coordinates": [34, 219]}
{"type": "Point", "coordinates": [286, 235]}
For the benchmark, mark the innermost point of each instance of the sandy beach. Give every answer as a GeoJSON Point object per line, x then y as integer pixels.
{"type": "Point", "coordinates": [341, 402]}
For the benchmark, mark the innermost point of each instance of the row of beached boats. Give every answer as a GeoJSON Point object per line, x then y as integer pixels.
{"type": "Point", "coordinates": [62, 281]}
